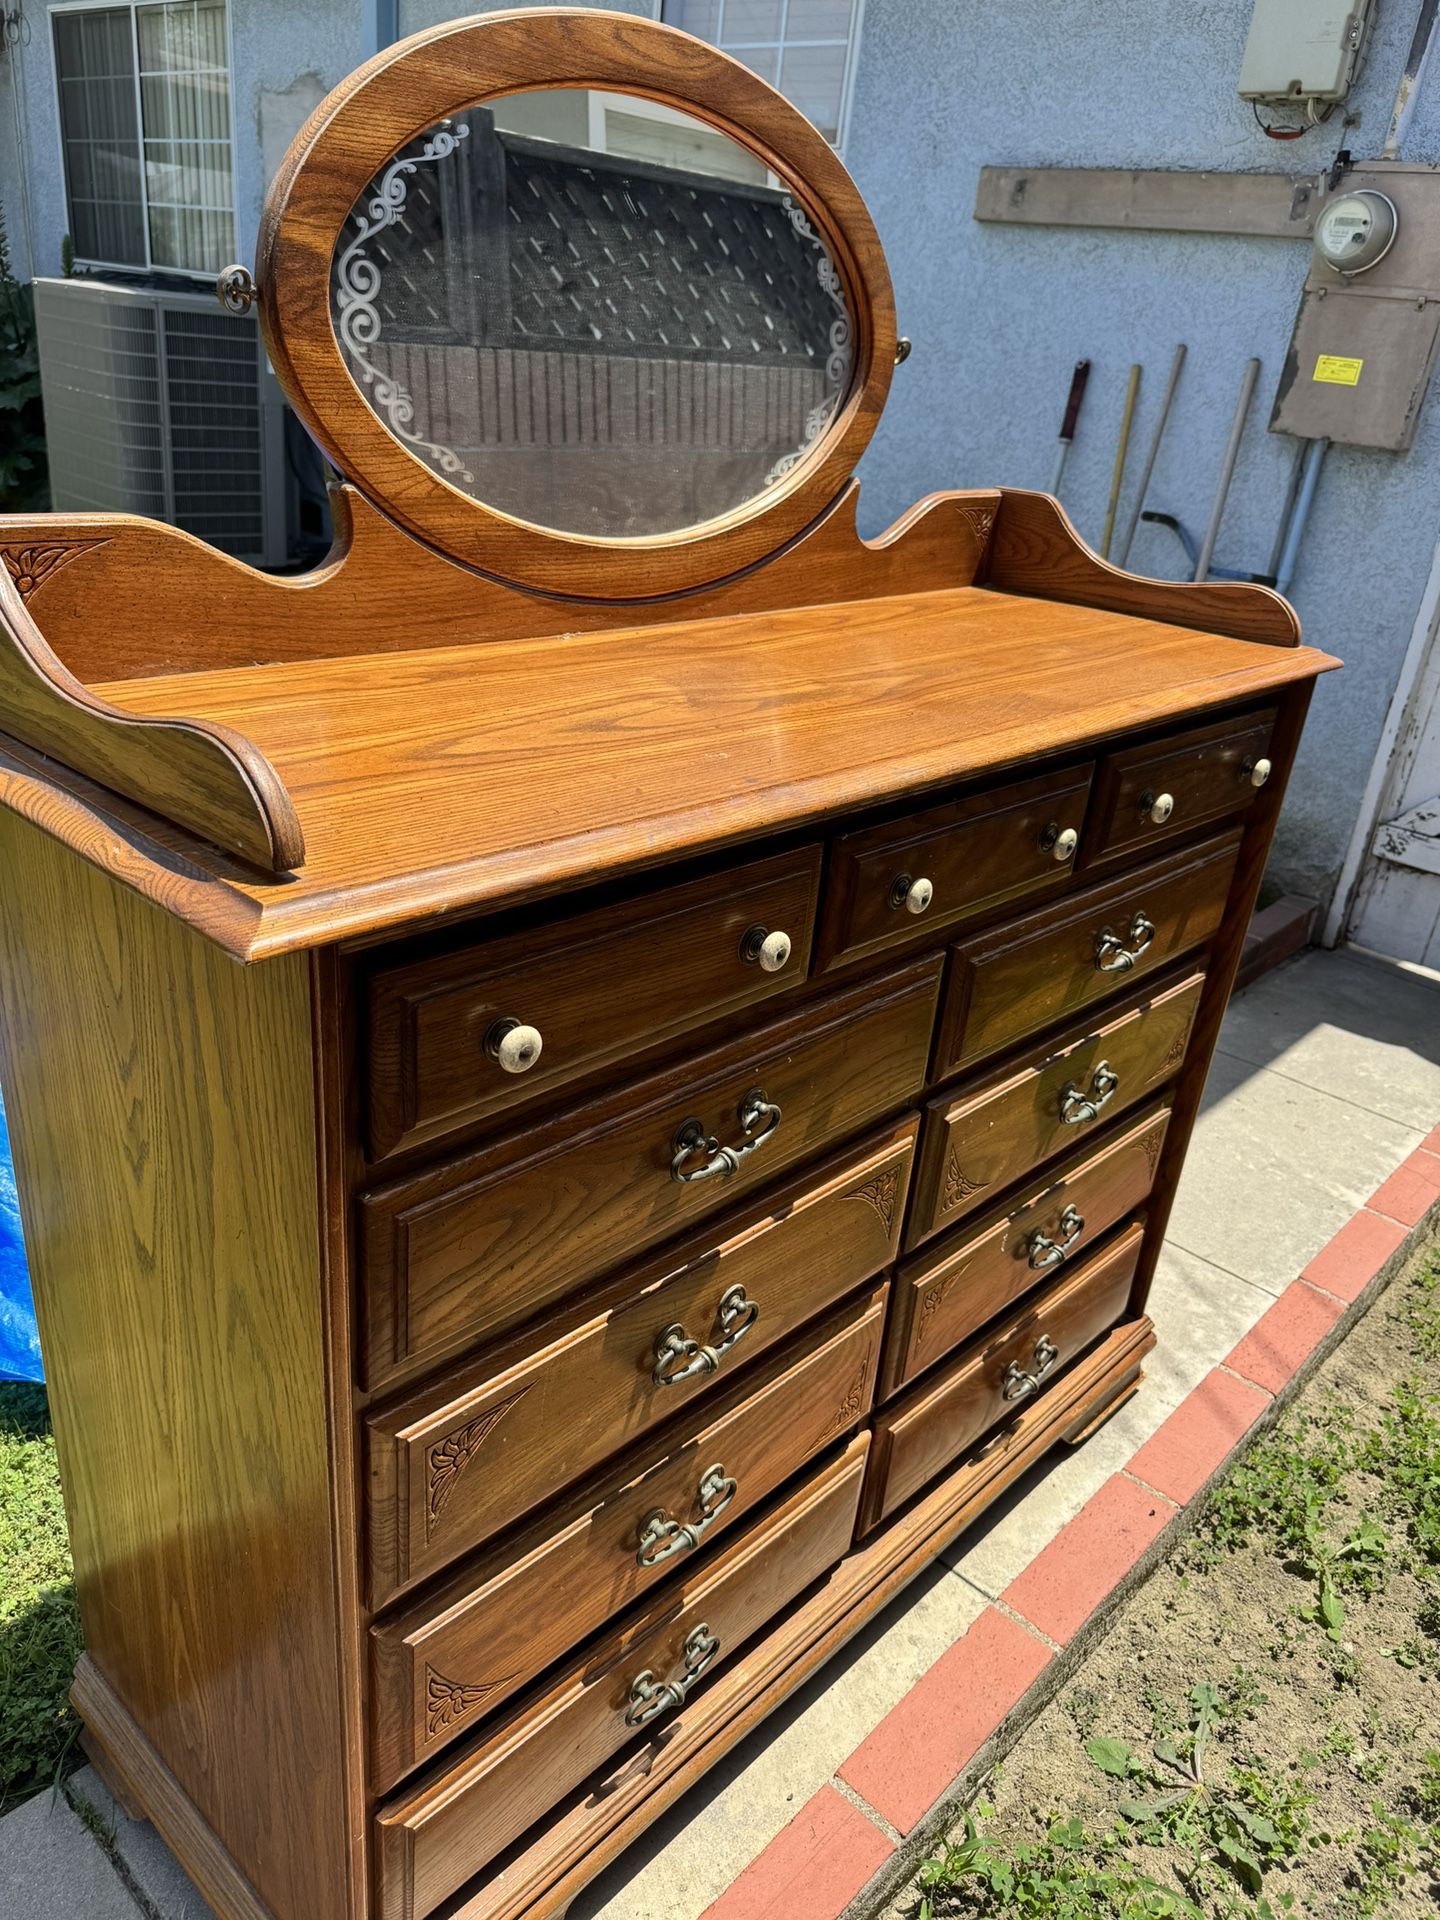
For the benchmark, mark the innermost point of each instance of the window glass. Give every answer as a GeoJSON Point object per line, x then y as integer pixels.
{"type": "Point", "coordinates": [145, 121]}
{"type": "Point", "coordinates": [803, 46]}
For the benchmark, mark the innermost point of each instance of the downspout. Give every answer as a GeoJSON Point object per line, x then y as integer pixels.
{"type": "Point", "coordinates": [380, 25]}
{"type": "Point", "coordinates": [1409, 89]}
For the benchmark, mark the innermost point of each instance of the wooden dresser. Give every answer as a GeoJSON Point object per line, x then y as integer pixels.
{"type": "Point", "coordinates": [593, 1078]}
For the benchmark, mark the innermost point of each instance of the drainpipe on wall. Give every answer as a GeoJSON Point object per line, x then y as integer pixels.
{"type": "Point", "coordinates": [380, 24]}
{"type": "Point", "coordinates": [1415, 61]}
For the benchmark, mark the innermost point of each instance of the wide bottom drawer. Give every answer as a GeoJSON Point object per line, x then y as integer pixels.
{"type": "Point", "coordinates": [629, 1687]}
{"type": "Point", "coordinates": [439, 1668]}
{"type": "Point", "coordinates": [926, 1430]}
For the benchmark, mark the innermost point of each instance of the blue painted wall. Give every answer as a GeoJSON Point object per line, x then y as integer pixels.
{"type": "Point", "coordinates": [999, 315]}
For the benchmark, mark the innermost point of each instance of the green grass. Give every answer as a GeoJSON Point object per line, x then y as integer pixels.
{"type": "Point", "coordinates": [39, 1625]}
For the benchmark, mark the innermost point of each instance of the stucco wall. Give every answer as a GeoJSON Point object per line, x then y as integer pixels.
{"type": "Point", "coordinates": [999, 315]}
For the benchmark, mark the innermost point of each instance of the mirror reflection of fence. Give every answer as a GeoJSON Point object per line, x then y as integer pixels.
{"type": "Point", "coordinates": [592, 312]}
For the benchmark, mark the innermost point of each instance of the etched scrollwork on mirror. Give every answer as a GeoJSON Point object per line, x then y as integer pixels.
{"type": "Point", "coordinates": [609, 319]}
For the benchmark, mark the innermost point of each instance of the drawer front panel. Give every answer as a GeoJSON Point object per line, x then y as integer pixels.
{"type": "Point", "coordinates": [976, 1142]}
{"type": "Point", "coordinates": [1005, 985]}
{"type": "Point", "coordinates": [478, 1245]}
{"type": "Point", "coordinates": [548, 1408]}
{"type": "Point", "coordinates": [951, 1291]}
{"type": "Point", "coordinates": [973, 855]}
{"type": "Point", "coordinates": [432, 1675]}
{"type": "Point", "coordinates": [430, 1842]}
{"type": "Point", "coordinates": [928, 1429]}
{"type": "Point", "coordinates": [1145, 796]}
{"type": "Point", "coordinates": [595, 987]}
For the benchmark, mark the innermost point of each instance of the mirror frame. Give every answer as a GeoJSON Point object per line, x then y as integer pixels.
{"type": "Point", "coordinates": [359, 128]}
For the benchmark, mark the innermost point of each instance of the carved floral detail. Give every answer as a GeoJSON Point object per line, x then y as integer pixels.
{"type": "Point", "coordinates": [880, 1193]}
{"type": "Point", "coordinates": [982, 519]}
{"type": "Point", "coordinates": [29, 566]}
{"type": "Point", "coordinates": [853, 1405]}
{"type": "Point", "coordinates": [449, 1457]}
{"type": "Point", "coordinates": [1177, 1048]}
{"type": "Point", "coordinates": [1152, 1144]}
{"type": "Point", "coordinates": [447, 1701]}
{"type": "Point", "coordinates": [958, 1186]}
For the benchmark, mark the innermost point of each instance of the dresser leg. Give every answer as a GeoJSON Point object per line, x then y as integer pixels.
{"type": "Point", "coordinates": [1125, 1389]}
{"type": "Point", "coordinates": [114, 1785]}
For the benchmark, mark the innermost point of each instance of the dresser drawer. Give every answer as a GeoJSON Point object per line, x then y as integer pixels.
{"type": "Point", "coordinates": [595, 987]}
{"type": "Point", "coordinates": [976, 1142]}
{"type": "Point", "coordinates": [440, 1668]}
{"type": "Point", "coordinates": [432, 1840]}
{"type": "Point", "coordinates": [550, 1406]}
{"type": "Point", "coordinates": [961, 860]}
{"type": "Point", "coordinates": [482, 1243]}
{"type": "Point", "coordinates": [1029, 974]}
{"type": "Point", "coordinates": [928, 1429]}
{"type": "Point", "coordinates": [951, 1290]}
{"type": "Point", "coordinates": [1145, 796]}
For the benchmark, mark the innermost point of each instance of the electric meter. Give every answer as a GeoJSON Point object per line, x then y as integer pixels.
{"type": "Point", "coordinates": [1355, 231]}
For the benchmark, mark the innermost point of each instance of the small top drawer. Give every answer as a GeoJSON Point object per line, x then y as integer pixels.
{"type": "Point", "coordinates": [890, 884]}
{"type": "Point", "coordinates": [1020, 978]}
{"type": "Point", "coordinates": [573, 994]}
{"type": "Point", "coordinates": [1145, 796]}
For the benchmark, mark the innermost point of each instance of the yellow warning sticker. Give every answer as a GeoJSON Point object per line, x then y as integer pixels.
{"type": "Point", "coordinates": [1336, 371]}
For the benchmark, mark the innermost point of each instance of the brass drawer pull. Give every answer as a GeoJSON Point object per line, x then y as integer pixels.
{"type": "Point", "coordinates": [1045, 1252]}
{"type": "Point", "coordinates": [649, 1696]}
{"type": "Point", "coordinates": [1112, 955]}
{"type": "Point", "coordinates": [660, 1535]}
{"type": "Point", "coordinates": [1076, 1107]}
{"type": "Point", "coordinates": [678, 1357]}
{"type": "Point", "coordinates": [755, 1111]}
{"type": "Point", "coordinates": [1018, 1384]}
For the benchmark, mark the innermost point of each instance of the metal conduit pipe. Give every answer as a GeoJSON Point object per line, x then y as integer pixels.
{"type": "Point", "coordinates": [1227, 468]}
{"type": "Point", "coordinates": [1304, 500]}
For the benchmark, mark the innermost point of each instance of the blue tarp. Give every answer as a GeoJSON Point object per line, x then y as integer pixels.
{"type": "Point", "coordinates": [19, 1342]}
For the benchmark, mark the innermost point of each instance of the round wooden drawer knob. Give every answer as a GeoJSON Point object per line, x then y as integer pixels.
{"type": "Point", "coordinates": [513, 1046]}
{"type": "Point", "coordinates": [1065, 844]}
{"type": "Point", "coordinates": [767, 948]}
{"type": "Point", "coordinates": [1259, 772]}
{"type": "Point", "coordinates": [1158, 807]}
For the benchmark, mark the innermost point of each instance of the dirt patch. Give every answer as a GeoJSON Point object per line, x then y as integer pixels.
{"type": "Point", "coordinates": [1258, 1734]}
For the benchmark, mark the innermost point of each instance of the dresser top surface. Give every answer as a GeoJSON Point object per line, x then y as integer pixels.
{"type": "Point", "coordinates": [452, 779]}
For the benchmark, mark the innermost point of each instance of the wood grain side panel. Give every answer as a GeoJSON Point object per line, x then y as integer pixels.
{"type": "Point", "coordinates": [464, 1651]}
{"type": "Point", "coordinates": [162, 1107]}
{"type": "Point", "coordinates": [481, 1243]}
{"type": "Point", "coordinates": [547, 1406]}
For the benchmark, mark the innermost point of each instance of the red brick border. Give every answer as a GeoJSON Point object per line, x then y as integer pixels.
{"type": "Point", "coordinates": [907, 1768]}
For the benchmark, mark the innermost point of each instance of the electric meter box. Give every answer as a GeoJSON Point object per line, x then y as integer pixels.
{"type": "Point", "coordinates": [1366, 335]}
{"type": "Point", "coordinates": [1303, 49]}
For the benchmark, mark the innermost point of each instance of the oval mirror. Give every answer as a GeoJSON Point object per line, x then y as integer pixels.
{"type": "Point", "coordinates": [593, 313]}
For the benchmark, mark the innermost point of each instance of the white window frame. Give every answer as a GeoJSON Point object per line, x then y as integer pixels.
{"type": "Point", "coordinates": [852, 56]}
{"type": "Point", "coordinates": [200, 274]}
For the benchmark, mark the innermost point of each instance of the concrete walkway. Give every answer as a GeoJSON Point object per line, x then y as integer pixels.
{"type": "Point", "coordinates": [1326, 1079]}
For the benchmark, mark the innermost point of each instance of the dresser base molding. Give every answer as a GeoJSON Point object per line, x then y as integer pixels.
{"type": "Point", "coordinates": [137, 1777]}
